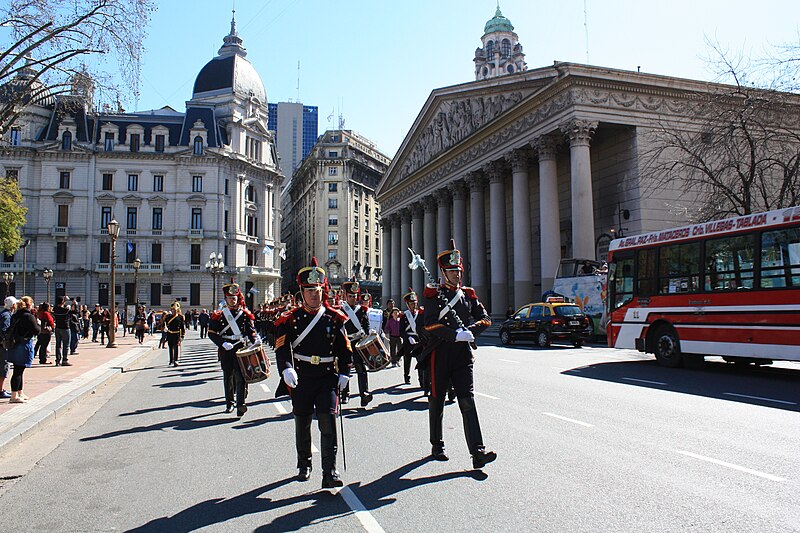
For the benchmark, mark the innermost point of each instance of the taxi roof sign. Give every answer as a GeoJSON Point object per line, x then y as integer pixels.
{"type": "Point", "coordinates": [555, 299]}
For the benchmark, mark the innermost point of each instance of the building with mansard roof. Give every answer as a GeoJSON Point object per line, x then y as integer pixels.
{"type": "Point", "coordinates": [182, 185]}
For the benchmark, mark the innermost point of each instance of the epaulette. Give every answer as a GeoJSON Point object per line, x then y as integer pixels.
{"type": "Point", "coordinates": [216, 315]}
{"type": "Point", "coordinates": [469, 292]}
{"type": "Point", "coordinates": [249, 314]}
{"type": "Point", "coordinates": [337, 313]}
{"type": "Point", "coordinates": [430, 291]}
{"type": "Point", "coordinates": [285, 317]}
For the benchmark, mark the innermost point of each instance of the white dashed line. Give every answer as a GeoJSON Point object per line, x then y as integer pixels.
{"type": "Point", "coordinates": [758, 398]}
{"type": "Point", "coordinates": [731, 465]}
{"type": "Point", "coordinates": [569, 420]}
{"type": "Point", "coordinates": [364, 516]}
{"type": "Point", "coordinates": [508, 361]}
{"type": "Point", "coordinates": [486, 396]}
{"type": "Point", "coordinates": [263, 387]}
{"type": "Point", "coordinates": [645, 381]}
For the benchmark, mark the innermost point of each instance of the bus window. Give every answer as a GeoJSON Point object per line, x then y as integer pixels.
{"type": "Point", "coordinates": [646, 272]}
{"type": "Point", "coordinates": [729, 263]}
{"type": "Point", "coordinates": [680, 268]}
{"type": "Point", "coordinates": [780, 258]}
{"type": "Point", "coordinates": [621, 281]}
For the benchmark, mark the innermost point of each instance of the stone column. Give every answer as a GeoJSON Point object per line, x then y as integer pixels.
{"type": "Point", "coordinates": [476, 276]}
{"type": "Point", "coordinates": [459, 191]}
{"type": "Point", "coordinates": [417, 239]}
{"type": "Point", "coordinates": [396, 263]}
{"type": "Point", "coordinates": [430, 234]}
{"type": "Point", "coordinates": [549, 213]}
{"type": "Point", "coordinates": [443, 233]}
{"type": "Point", "coordinates": [497, 237]}
{"type": "Point", "coordinates": [386, 255]}
{"type": "Point", "coordinates": [579, 132]}
{"type": "Point", "coordinates": [521, 209]}
{"type": "Point", "coordinates": [405, 255]}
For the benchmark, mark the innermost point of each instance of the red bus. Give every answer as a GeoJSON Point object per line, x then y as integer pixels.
{"type": "Point", "coordinates": [728, 288]}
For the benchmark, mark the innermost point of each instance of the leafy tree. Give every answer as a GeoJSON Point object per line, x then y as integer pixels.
{"type": "Point", "coordinates": [13, 209]}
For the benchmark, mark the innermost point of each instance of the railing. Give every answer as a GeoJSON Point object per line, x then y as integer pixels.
{"type": "Point", "coordinates": [252, 239]}
{"type": "Point", "coordinates": [103, 231]}
{"type": "Point", "coordinates": [195, 267]}
{"type": "Point", "coordinates": [60, 231]}
{"type": "Point", "coordinates": [15, 266]}
{"type": "Point", "coordinates": [130, 232]}
{"type": "Point", "coordinates": [157, 232]}
{"type": "Point", "coordinates": [255, 271]}
{"type": "Point", "coordinates": [127, 268]}
{"type": "Point", "coordinates": [195, 234]}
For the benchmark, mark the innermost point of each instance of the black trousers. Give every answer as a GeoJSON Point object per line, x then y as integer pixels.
{"type": "Point", "coordinates": [361, 373]}
{"type": "Point", "coordinates": [315, 394]}
{"type": "Point", "coordinates": [174, 348]}
{"type": "Point", "coordinates": [203, 331]}
{"type": "Point", "coordinates": [16, 378]}
{"type": "Point", "coordinates": [232, 380]}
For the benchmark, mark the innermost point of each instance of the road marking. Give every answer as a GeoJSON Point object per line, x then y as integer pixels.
{"type": "Point", "coordinates": [731, 465]}
{"type": "Point", "coordinates": [364, 516]}
{"type": "Point", "coordinates": [646, 381]}
{"type": "Point", "coordinates": [508, 361]}
{"type": "Point", "coordinates": [562, 369]}
{"type": "Point", "coordinates": [264, 387]}
{"type": "Point", "coordinates": [486, 396]}
{"type": "Point", "coordinates": [758, 398]}
{"type": "Point", "coordinates": [569, 420]}
{"type": "Point", "coordinates": [281, 409]}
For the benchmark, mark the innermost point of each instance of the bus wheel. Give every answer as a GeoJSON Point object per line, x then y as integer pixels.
{"type": "Point", "coordinates": [543, 339]}
{"type": "Point", "coordinates": [505, 337]}
{"type": "Point", "coordinates": [666, 348]}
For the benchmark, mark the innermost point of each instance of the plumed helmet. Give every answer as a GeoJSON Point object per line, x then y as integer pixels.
{"type": "Point", "coordinates": [410, 296]}
{"type": "Point", "coordinates": [450, 259]}
{"type": "Point", "coordinates": [312, 276]}
{"type": "Point", "coordinates": [351, 287]}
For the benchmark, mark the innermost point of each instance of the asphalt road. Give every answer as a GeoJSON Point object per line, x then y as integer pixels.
{"type": "Point", "coordinates": [588, 439]}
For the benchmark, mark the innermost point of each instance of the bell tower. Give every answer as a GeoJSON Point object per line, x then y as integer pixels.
{"type": "Point", "coordinates": [501, 52]}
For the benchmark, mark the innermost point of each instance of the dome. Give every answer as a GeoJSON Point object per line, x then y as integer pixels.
{"type": "Point", "coordinates": [498, 23]}
{"type": "Point", "coordinates": [32, 91]}
{"type": "Point", "coordinates": [230, 71]}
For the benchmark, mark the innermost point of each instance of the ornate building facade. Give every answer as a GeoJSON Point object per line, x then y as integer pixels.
{"type": "Point", "coordinates": [501, 52]}
{"type": "Point", "coordinates": [181, 186]}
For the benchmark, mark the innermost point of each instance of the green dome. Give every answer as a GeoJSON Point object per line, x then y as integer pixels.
{"type": "Point", "coordinates": [498, 23]}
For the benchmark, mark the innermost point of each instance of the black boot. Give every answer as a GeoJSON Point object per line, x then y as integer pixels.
{"type": "Point", "coordinates": [435, 415]}
{"type": "Point", "coordinates": [472, 433]}
{"type": "Point", "coordinates": [302, 439]}
{"type": "Point", "coordinates": [327, 441]}
{"type": "Point", "coordinates": [366, 397]}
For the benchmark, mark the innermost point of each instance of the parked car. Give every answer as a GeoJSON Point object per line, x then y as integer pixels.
{"type": "Point", "coordinates": [543, 323]}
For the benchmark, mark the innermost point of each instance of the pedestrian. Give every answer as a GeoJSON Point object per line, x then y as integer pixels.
{"type": "Point", "coordinates": [84, 322]}
{"type": "Point", "coordinates": [74, 320]}
{"type": "Point", "coordinates": [175, 330]}
{"type": "Point", "coordinates": [357, 328]}
{"type": "Point", "coordinates": [94, 318]}
{"type": "Point", "coordinates": [453, 318]}
{"type": "Point", "coordinates": [411, 341]}
{"type": "Point", "coordinates": [387, 313]}
{"type": "Point", "coordinates": [8, 309]}
{"type": "Point", "coordinates": [160, 327]}
{"type": "Point", "coordinates": [151, 317]}
{"type": "Point", "coordinates": [140, 324]}
{"type": "Point", "coordinates": [24, 327]}
{"type": "Point", "coordinates": [314, 356]}
{"type": "Point", "coordinates": [47, 325]}
{"type": "Point", "coordinates": [61, 318]}
{"type": "Point", "coordinates": [105, 324]}
{"type": "Point", "coordinates": [195, 316]}
{"type": "Point", "coordinates": [204, 318]}
{"type": "Point", "coordinates": [392, 329]}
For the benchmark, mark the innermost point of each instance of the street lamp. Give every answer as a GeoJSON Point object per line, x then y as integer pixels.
{"type": "Point", "coordinates": [214, 266]}
{"type": "Point", "coordinates": [48, 277]}
{"type": "Point", "coordinates": [25, 244]}
{"type": "Point", "coordinates": [113, 232]}
{"type": "Point", "coordinates": [136, 264]}
{"type": "Point", "coordinates": [8, 277]}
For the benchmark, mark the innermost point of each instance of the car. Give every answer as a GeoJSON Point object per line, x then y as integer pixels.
{"type": "Point", "coordinates": [546, 322]}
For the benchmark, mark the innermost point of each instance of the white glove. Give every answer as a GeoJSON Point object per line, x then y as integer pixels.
{"type": "Point", "coordinates": [343, 381]}
{"type": "Point", "coordinates": [290, 377]}
{"type": "Point", "coordinates": [227, 346]}
{"type": "Point", "coordinates": [464, 335]}
{"type": "Point", "coordinates": [258, 340]}
{"type": "Point", "coordinates": [411, 341]}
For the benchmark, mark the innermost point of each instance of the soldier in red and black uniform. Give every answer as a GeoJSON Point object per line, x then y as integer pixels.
{"type": "Point", "coordinates": [314, 356]}
{"type": "Point", "coordinates": [356, 327]}
{"type": "Point", "coordinates": [410, 321]}
{"type": "Point", "coordinates": [231, 328]}
{"type": "Point", "coordinates": [450, 347]}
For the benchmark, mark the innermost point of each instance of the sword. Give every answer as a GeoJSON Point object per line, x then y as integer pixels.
{"type": "Point", "coordinates": [341, 424]}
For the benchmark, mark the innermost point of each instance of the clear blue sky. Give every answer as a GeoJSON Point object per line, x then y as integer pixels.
{"type": "Point", "coordinates": [377, 61]}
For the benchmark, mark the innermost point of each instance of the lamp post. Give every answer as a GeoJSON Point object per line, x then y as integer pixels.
{"type": "Point", "coordinates": [113, 232]}
{"type": "Point", "coordinates": [48, 277]}
{"type": "Point", "coordinates": [25, 244]}
{"type": "Point", "coordinates": [214, 266]}
{"type": "Point", "coordinates": [8, 278]}
{"type": "Point", "coordinates": [136, 264]}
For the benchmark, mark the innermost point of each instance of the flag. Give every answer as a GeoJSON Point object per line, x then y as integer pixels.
{"type": "Point", "coordinates": [282, 253]}
{"type": "Point", "coordinates": [267, 249]}
{"type": "Point", "coordinates": [253, 290]}
{"type": "Point", "coordinates": [130, 247]}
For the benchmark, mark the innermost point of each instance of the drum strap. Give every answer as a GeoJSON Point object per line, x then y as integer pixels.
{"type": "Point", "coordinates": [446, 309]}
{"type": "Point", "coordinates": [352, 316]}
{"type": "Point", "coordinates": [234, 327]}
{"type": "Point", "coordinates": [412, 324]}
{"type": "Point", "coordinates": [309, 327]}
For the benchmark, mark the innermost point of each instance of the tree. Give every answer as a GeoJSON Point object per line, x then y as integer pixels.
{"type": "Point", "coordinates": [53, 43]}
{"type": "Point", "coordinates": [13, 209]}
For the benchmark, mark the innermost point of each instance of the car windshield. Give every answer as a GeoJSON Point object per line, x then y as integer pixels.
{"type": "Point", "coordinates": [568, 310]}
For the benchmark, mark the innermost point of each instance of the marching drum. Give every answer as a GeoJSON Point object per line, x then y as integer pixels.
{"type": "Point", "coordinates": [254, 363]}
{"type": "Point", "coordinates": [373, 352]}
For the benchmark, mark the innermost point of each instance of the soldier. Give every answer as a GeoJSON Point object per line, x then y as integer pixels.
{"type": "Point", "coordinates": [411, 341]}
{"type": "Point", "coordinates": [314, 357]}
{"type": "Point", "coordinates": [175, 330]}
{"type": "Point", "coordinates": [356, 327]}
{"type": "Point", "coordinates": [453, 317]}
{"type": "Point", "coordinates": [231, 328]}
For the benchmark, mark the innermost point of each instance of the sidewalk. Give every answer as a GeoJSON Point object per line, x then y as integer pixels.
{"type": "Point", "coordinates": [52, 388]}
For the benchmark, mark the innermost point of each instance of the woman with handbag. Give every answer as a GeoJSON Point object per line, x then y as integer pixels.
{"type": "Point", "coordinates": [24, 327]}
{"type": "Point", "coordinates": [47, 323]}
{"type": "Point", "coordinates": [140, 325]}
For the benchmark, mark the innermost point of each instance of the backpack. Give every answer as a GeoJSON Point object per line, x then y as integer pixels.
{"type": "Point", "coordinates": [8, 338]}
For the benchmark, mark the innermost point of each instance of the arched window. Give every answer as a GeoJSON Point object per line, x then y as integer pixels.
{"type": "Point", "coordinates": [505, 48]}
{"type": "Point", "coordinates": [490, 50]}
{"type": "Point", "coordinates": [66, 141]}
{"type": "Point", "coordinates": [510, 69]}
{"type": "Point", "coordinates": [250, 194]}
{"type": "Point", "coordinates": [198, 145]}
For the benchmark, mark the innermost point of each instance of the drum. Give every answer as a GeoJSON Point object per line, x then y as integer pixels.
{"type": "Point", "coordinates": [373, 352]}
{"type": "Point", "coordinates": [254, 363]}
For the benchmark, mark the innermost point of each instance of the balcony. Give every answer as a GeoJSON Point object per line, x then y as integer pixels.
{"type": "Point", "coordinates": [157, 232]}
{"type": "Point", "coordinates": [127, 268]}
{"type": "Point", "coordinates": [130, 232]}
{"type": "Point", "coordinates": [60, 231]}
{"type": "Point", "coordinates": [252, 239]}
{"type": "Point", "coordinates": [195, 234]}
{"type": "Point", "coordinates": [15, 266]}
{"type": "Point", "coordinates": [195, 268]}
{"type": "Point", "coordinates": [104, 231]}
{"type": "Point", "coordinates": [256, 271]}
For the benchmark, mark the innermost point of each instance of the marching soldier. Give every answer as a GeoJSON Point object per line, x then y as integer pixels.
{"type": "Point", "coordinates": [175, 330]}
{"type": "Point", "coordinates": [314, 357]}
{"type": "Point", "coordinates": [229, 328]}
{"type": "Point", "coordinates": [412, 346]}
{"type": "Point", "coordinates": [453, 317]}
{"type": "Point", "coordinates": [356, 327]}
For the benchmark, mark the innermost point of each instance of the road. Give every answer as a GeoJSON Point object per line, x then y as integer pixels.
{"type": "Point", "coordinates": [588, 439]}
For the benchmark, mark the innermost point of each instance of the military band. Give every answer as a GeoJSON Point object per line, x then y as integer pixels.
{"type": "Point", "coordinates": [357, 328]}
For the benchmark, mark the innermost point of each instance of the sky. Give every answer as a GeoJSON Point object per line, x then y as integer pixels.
{"type": "Point", "coordinates": [375, 62]}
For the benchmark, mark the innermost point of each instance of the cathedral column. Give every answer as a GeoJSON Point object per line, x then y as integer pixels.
{"type": "Point", "coordinates": [459, 191]}
{"type": "Point", "coordinates": [396, 263]}
{"type": "Point", "coordinates": [405, 255]}
{"type": "Point", "coordinates": [477, 227]}
{"type": "Point", "coordinates": [443, 233]}
{"type": "Point", "coordinates": [386, 255]}
{"type": "Point", "coordinates": [549, 213]}
{"type": "Point", "coordinates": [430, 234]}
{"type": "Point", "coordinates": [417, 238]}
{"type": "Point", "coordinates": [521, 209]}
{"type": "Point", "coordinates": [579, 132]}
{"type": "Point", "coordinates": [497, 236]}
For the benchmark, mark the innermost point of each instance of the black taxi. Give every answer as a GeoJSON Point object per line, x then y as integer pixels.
{"type": "Point", "coordinates": [551, 321]}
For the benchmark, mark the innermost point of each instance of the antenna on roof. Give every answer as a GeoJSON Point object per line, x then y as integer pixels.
{"type": "Point", "coordinates": [298, 80]}
{"type": "Point", "coordinates": [586, 28]}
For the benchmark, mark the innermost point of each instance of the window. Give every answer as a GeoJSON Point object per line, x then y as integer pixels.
{"type": "Point", "coordinates": [226, 187]}
{"type": "Point", "coordinates": [132, 218]}
{"type": "Point", "coordinates": [194, 294]}
{"type": "Point", "coordinates": [250, 194]}
{"type": "Point", "coordinates": [253, 148]}
{"type": "Point", "coordinates": [158, 218]}
{"type": "Point", "coordinates": [108, 182]}
{"type": "Point", "coordinates": [105, 252]}
{"type": "Point", "coordinates": [333, 203]}
{"type": "Point", "coordinates": [108, 142]}
{"type": "Point", "coordinates": [355, 222]}
{"type": "Point", "coordinates": [61, 252]}
{"type": "Point", "coordinates": [333, 220]}
{"type": "Point", "coordinates": [252, 226]}
{"type": "Point", "coordinates": [355, 206]}
{"type": "Point", "coordinates": [105, 217]}
{"type": "Point", "coordinates": [333, 237]}
{"type": "Point", "coordinates": [155, 252]}
{"type": "Point", "coordinates": [780, 258]}
{"type": "Point", "coordinates": [12, 174]}
{"type": "Point", "coordinates": [63, 216]}
{"type": "Point", "coordinates": [355, 240]}
{"type": "Point", "coordinates": [225, 222]}
{"type": "Point", "coordinates": [135, 141]}
{"type": "Point", "coordinates": [332, 187]}
{"type": "Point", "coordinates": [195, 254]}
{"type": "Point", "coordinates": [130, 252]}
{"type": "Point", "coordinates": [333, 171]}
{"type": "Point", "coordinates": [16, 136]}
{"type": "Point", "coordinates": [155, 294]}
{"type": "Point", "coordinates": [332, 254]}
{"type": "Point", "coordinates": [66, 141]}
{"type": "Point", "coordinates": [377, 243]}
{"type": "Point", "coordinates": [333, 153]}
{"type": "Point", "coordinates": [133, 182]}
{"type": "Point", "coordinates": [158, 183]}
{"type": "Point", "coordinates": [198, 145]}
{"type": "Point", "coordinates": [63, 181]}
{"type": "Point", "coordinates": [197, 218]}
{"type": "Point", "coordinates": [505, 48]}
{"type": "Point", "coordinates": [251, 257]}
{"type": "Point", "coordinates": [197, 183]}
{"type": "Point", "coordinates": [647, 267]}
{"type": "Point", "coordinates": [621, 280]}
{"type": "Point", "coordinates": [730, 263]}
{"type": "Point", "coordinates": [679, 268]}
{"type": "Point", "coordinates": [160, 143]}
{"type": "Point", "coordinates": [490, 50]}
